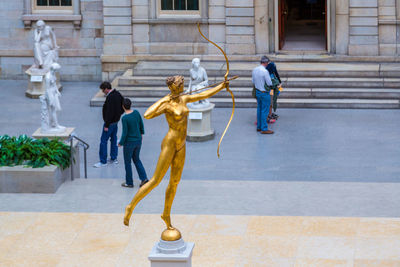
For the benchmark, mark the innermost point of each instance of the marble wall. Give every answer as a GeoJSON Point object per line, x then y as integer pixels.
{"type": "Point", "coordinates": [80, 47]}
{"type": "Point", "coordinates": [111, 33]}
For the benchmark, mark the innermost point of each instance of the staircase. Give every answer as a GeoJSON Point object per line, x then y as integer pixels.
{"type": "Point", "coordinates": [312, 84]}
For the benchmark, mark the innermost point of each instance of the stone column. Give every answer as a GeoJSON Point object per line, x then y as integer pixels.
{"type": "Point", "coordinates": [342, 27]}
{"type": "Point", "coordinates": [117, 27]}
{"type": "Point", "coordinates": [140, 27]}
{"type": "Point", "coordinates": [387, 28]}
{"type": "Point", "coordinates": [240, 27]}
{"type": "Point", "coordinates": [261, 26]}
{"type": "Point", "coordinates": [364, 28]}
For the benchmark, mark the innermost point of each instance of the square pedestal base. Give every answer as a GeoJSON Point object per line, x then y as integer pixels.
{"type": "Point", "coordinates": [163, 254]}
{"type": "Point", "coordinates": [38, 134]}
{"type": "Point", "coordinates": [36, 82]}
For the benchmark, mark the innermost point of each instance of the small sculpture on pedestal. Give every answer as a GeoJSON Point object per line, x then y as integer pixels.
{"type": "Point", "coordinates": [198, 80]}
{"type": "Point", "coordinates": [45, 47]}
{"type": "Point", "coordinates": [51, 102]}
{"type": "Point", "coordinates": [45, 52]}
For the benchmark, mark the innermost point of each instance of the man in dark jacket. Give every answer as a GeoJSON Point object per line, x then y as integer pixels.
{"type": "Point", "coordinates": [112, 111]}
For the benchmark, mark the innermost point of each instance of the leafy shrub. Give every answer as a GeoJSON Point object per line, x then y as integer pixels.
{"type": "Point", "coordinates": [35, 153]}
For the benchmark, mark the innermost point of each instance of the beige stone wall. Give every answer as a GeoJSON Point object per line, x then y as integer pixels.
{"type": "Point", "coordinates": [80, 48]}
{"type": "Point", "coordinates": [388, 38]}
{"type": "Point", "coordinates": [240, 33]}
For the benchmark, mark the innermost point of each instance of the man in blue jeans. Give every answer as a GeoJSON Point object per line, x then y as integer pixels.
{"type": "Point", "coordinates": [112, 111]}
{"type": "Point", "coordinates": [260, 78]}
{"type": "Point", "coordinates": [131, 140]}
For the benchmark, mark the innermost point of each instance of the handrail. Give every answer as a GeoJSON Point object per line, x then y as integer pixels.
{"type": "Point", "coordinates": [85, 147]}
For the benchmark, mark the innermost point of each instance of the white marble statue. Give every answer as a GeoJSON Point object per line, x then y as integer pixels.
{"type": "Point", "coordinates": [45, 46]}
{"type": "Point", "coordinates": [198, 79]}
{"type": "Point", "coordinates": [51, 102]}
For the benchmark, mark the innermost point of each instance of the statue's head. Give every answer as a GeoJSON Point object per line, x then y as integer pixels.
{"type": "Point", "coordinates": [196, 63]}
{"type": "Point", "coordinates": [175, 84]}
{"type": "Point", "coordinates": [40, 25]}
{"type": "Point", "coordinates": [55, 66]}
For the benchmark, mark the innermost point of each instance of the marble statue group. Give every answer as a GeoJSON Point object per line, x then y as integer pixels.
{"type": "Point", "coordinates": [45, 65]}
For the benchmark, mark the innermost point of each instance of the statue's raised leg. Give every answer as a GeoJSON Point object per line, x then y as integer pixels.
{"type": "Point", "coordinates": [164, 161]}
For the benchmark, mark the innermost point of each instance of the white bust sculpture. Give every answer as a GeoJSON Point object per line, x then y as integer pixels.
{"type": "Point", "coordinates": [45, 46]}
{"type": "Point", "coordinates": [198, 79]}
{"type": "Point", "coordinates": [51, 102]}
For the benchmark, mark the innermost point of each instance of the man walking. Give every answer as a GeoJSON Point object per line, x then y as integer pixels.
{"type": "Point", "coordinates": [260, 78]}
{"type": "Point", "coordinates": [112, 111]}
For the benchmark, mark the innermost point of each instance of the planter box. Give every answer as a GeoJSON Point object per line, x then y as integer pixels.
{"type": "Point", "coordinates": [46, 180]}
{"type": "Point", "coordinates": [20, 179]}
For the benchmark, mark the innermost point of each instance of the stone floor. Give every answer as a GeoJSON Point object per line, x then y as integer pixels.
{"type": "Point", "coordinates": [322, 191]}
{"type": "Point", "coordinates": [82, 239]}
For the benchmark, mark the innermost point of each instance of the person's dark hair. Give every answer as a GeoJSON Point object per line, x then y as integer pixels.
{"type": "Point", "coordinates": [105, 85]}
{"type": "Point", "coordinates": [264, 59]}
{"type": "Point", "coordinates": [170, 80]}
{"type": "Point", "coordinates": [127, 103]}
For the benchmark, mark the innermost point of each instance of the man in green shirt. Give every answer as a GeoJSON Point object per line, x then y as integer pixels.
{"type": "Point", "coordinates": [131, 140]}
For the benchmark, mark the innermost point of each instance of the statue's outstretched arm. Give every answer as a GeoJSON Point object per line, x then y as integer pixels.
{"type": "Point", "coordinates": [157, 108]}
{"type": "Point", "coordinates": [205, 94]}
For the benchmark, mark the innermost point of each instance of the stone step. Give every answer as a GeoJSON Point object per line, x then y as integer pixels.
{"type": "Point", "coordinates": [302, 82]}
{"type": "Point", "coordinates": [286, 69]}
{"type": "Point", "coordinates": [283, 103]}
{"type": "Point", "coordinates": [363, 93]}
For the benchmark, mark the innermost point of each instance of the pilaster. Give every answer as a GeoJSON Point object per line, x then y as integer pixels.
{"type": "Point", "coordinates": [387, 28]}
{"type": "Point", "coordinates": [117, 27]}
{"type": "Point", "coordinates": [342, 27]}
{"type": "Point", "coordinates": [364, 39]}
{"type": "Point", "coordinates": [240, 27]}
{"type": "Point", "coordinates": [261, 26]}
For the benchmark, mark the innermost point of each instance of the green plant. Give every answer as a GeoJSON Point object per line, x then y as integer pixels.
{"type": "Point", "coordinates": [35, 153]}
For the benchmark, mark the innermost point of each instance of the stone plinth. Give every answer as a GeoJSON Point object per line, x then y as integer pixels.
{"type": "Point", "coordinates": [171, 254]}
{"type": "Point", "coordinates": [36, 82]}
{"type": "Point", "coordinates": [38, 134]}
{"type": "Point", "coordinates": [199, 124]}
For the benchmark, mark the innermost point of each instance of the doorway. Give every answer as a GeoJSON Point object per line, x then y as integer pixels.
{"type": "Point", "coordinates": [302, 25]}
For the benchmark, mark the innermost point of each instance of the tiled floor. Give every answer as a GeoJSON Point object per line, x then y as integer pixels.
{"type": "Point", "coordinates": [89, 239]}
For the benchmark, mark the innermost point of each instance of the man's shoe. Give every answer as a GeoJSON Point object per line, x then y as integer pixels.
{"type": "Point", "coordinates": [99, 164]}
{"type": "Point", "coordinates": [258, 130]}
{"type": "Point", "coordinates": [143, 183]}
{"type": "Point", "coordinates": [127, 185]}
{"type": "Point", "coordinates": [113, 161]}
{"type": "Point", "coordinates": [267, 132]}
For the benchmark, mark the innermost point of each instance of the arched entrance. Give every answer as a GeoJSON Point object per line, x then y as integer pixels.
{"type": "Point", "coordinates": [302, 25]}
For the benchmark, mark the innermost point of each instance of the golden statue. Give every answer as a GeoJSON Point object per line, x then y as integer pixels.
{"type": "Point", "coordinates": [173, 147]}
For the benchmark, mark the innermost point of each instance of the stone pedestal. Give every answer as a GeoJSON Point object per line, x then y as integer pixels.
{"type": "Point", "coordinates": [199, 124]}
{"type": "Point", "coordinates": [36, 82]}
{"type": "Point", "coordinates": [38, 134]}
{"type": "Point", "coordinates": [171, 254]}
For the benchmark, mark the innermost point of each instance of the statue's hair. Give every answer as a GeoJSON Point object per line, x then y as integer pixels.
{"type": "Point", "coordinates": [170, 80]}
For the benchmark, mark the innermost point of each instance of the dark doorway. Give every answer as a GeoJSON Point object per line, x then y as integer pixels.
{"type": "Point", "coordinates": [302, 25]}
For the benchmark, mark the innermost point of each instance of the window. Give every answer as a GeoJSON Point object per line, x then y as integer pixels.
{"type": "Point", "coordinates": [179, 5]}
{"type": "Point", "coordinates": [52, 5]}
